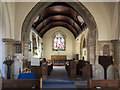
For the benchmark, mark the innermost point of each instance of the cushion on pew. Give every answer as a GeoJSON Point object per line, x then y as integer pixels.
{"type": "Point", "coordinates": [26, 76]}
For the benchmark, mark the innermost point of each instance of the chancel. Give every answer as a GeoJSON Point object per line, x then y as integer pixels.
{"type": "Point", "coordinates": [60, 45]}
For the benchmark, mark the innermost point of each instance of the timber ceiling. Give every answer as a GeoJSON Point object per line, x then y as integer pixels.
{"type": "Point", "coordinates": [59, 14]}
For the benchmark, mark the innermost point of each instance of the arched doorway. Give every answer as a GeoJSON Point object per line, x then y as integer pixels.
{"type": "Point", "coordinates": [80, 8]}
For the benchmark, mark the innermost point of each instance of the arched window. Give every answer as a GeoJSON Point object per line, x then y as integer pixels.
{"type": "Point", "coordinates": [84, 44]}
{"type": "Point", "coordinates": [59, 41]}
{"type": "Point", "coordinates": [34, 44]}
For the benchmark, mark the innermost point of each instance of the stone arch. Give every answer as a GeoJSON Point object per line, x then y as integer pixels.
{"type": "Point", "coordinates": [80, 8]}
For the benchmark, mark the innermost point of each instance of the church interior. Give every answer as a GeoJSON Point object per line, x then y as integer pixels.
{"type": "Point", "coordinates": [59, 45]}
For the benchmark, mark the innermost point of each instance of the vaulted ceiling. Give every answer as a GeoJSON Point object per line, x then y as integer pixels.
{"type": "Point", "coordinates": [59, 14]}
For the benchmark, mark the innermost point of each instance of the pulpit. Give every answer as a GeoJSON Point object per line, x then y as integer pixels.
{"type": "Point", "coordinates": [58, 59]}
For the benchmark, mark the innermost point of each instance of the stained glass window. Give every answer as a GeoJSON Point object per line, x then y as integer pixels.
{"type": "Point", "coordinates": [59, 42]}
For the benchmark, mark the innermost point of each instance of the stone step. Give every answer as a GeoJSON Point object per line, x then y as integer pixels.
{"type": "Point", "coordinates": [81, 84]}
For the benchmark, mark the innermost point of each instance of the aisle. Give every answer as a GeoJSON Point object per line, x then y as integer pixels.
{"type": "Point", "coordinates": [58, 79]}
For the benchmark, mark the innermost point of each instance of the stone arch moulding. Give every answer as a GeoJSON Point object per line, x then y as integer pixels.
{"type": "Point", "coordinates": [80, 8]}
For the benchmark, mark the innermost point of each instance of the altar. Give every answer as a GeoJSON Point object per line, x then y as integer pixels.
{"type": "Point", "coordinates": [58, 60]}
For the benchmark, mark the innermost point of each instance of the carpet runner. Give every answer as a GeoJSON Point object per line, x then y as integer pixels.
{"type": "Point", "coordinates": [58, 79]}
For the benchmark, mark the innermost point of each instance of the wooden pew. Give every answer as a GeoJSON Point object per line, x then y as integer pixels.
{"type": "Point", "coordinates": [87, 71]}
{"type": "Point", "coordinates": [43, 70]}
{"type": "Point", "coordinates": [74, 67]}
{"type": "Point", "coordinates": [67, 66]}
{"type": "Point", "coordinates": [113, 83]}
{"type": "Point", "coordinates": [37, 71]}
{"type": "Point", "coordinates": [71, 68]}
{"type": "Point", "coordinates": [50, 68]}
{"type": "Point", "coordinates": [84, 68]}
{"type": "Point", "coordinates": [22, 83]}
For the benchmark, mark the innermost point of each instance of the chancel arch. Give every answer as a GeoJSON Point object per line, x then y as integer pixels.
{"type": "Point", "coordinates": [80, 9]}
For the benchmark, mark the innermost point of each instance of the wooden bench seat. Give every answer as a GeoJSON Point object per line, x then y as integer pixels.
{"type": "Point", "coordinates": [22, 83]}
{"type": "Point", "coordinates": [113, 83]}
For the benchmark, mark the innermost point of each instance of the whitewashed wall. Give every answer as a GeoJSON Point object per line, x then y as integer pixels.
{"type": "Point", "coordinates": [47, 44]}
{"type": "Point", "coordinates": [105, 15]}
{"type": "Point", "coordinates": [1, 44]}
{"type": "Point", "coordinates": [1, 55]}
{"type": "Point", "coordinates": [21, 11]}
{"type": "Point", "coordinates": [8, 9]}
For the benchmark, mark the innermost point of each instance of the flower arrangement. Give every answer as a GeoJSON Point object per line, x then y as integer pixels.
{"type": "Point", "coordinates": [8, 61]}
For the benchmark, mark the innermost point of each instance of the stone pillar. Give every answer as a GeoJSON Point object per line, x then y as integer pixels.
{"type": "Point", "coordinates": [92, 50]}
{"type": "Point", "coordinates": [119, 34]}
{"type": "Point", "coordinates": [9, 48]}
{"type": "Point", "coordinates": [92, 58]}
{"type": "Point", "coordinates": [116, 56]}
{"type": "Point", "coordinates": [25, 50]}
{"type": "Point", "coordinates": [91, 46]}
{"type": "Point", "coordinates": [119, 58]}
